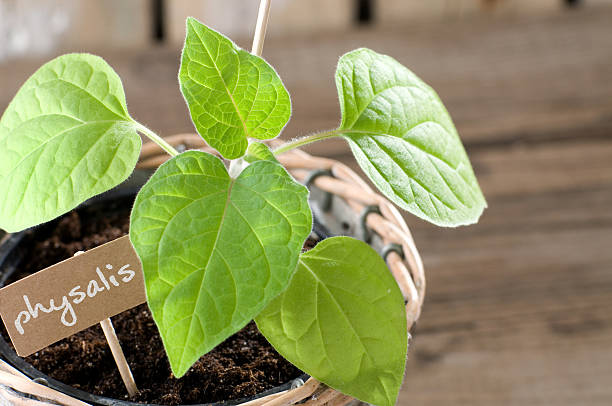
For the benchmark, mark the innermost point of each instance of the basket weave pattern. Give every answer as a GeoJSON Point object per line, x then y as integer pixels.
{"type": "Point", "coordinates": [381, 218]}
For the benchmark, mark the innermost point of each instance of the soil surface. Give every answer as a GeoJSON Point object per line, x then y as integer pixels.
{"type": "Point", "coordinates": [244, 365]}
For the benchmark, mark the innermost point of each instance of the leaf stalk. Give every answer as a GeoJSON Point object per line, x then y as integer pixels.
{"type": "Point", "coordinates": [309, 139]}
{"type": "Point", "coordinates": [156, 139]}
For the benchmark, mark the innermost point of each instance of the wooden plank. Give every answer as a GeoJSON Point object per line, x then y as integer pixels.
{"type": "Point", "coordinates": [518, 308]}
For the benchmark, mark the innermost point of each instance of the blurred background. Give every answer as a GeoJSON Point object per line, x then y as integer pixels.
{"type": "Point", "coordinates": [519, 307]}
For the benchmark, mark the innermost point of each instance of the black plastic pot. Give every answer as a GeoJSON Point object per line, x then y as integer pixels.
{"type": "Point", "coordinates": [11, 257]}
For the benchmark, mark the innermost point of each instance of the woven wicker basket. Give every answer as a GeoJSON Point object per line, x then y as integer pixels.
{"type": "Point", "coordinates": [346, 204]}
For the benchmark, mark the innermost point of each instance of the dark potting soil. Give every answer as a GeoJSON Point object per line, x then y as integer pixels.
{"type": "Point", "coordinates": [244, 365]}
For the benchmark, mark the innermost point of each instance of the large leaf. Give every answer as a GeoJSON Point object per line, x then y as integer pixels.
{"type": "Point", "coordinates": [232, 95]}
{"type": "Point", "coordinates": [65, 137]}
{"type": "Point", "coordinates": [215, 250]}
{"type": "Point", "coordinates": [342, 320]}
{"type": "Point", "coordinates": [404, 140]}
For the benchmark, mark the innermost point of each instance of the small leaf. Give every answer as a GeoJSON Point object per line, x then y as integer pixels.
{"type": "Point", "coordinates": [342, 320]}
{"type": "Point", "coordinates": [404, 140]}
{"type": "Point", "coordinates": [65, 137]}
{"type": "Point", "coordinates": [215, 250]}
{"type": "Point", "coordinates": [258, 151]}
{"type": "Point", "coordinates": [232, 95]}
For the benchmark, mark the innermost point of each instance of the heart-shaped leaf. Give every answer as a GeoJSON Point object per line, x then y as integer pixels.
{"type": "Point", "coordinates": [342, 320]}
{"type": "Point", "coordinates": [64, 138]}
{"type": "Point", "coordinates": [405, 141]}
{"type": "Point", "coordinates": [232, 95]}
{"type": "Point", "coordinates": [215, 250]}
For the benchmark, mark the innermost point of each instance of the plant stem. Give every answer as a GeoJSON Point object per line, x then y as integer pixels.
{"type": "Point", "coordinates": [305, 141]}
{"type": "Point", "coordinates": [156, 139]}
{"type": "Point", "coordinates": [236, 166]}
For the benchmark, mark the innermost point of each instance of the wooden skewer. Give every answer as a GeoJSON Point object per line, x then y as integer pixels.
{"type": "Point", "coordinates": [260, 28]}
{"type": "Point", "coordinates": [118, 355]}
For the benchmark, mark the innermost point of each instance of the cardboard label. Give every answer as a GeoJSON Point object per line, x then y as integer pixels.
{"type": "Point", "coordinates": [72, 295]}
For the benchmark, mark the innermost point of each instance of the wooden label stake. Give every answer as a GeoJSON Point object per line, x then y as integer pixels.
{"type": "Point", "coordinates": [73, 295]}
{"type": "Point", "coordinates": [122, 365]}
{"type": "Point", "coordinates": [117, 351]}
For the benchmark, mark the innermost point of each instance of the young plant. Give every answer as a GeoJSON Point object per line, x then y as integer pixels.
{"type": "Point", "coordinates": [221, 247]}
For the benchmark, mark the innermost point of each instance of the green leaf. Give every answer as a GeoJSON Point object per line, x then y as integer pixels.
{"type": "Point", "coordinates": [342, 320]}
{"type": "Point", "coordinates": [232, 95]}
{"type": "Point", "coordinates": [215, 250]}
{"type": "Point", "coordinates": [404, 140]}
{"type": "Point", "coordinates": [64, 138]}
{"type": "Point", "coordinates": [258, 151]}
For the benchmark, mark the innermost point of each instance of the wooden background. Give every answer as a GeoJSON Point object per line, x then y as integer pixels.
{"type": "Point", "coordinates": [519, 307]}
